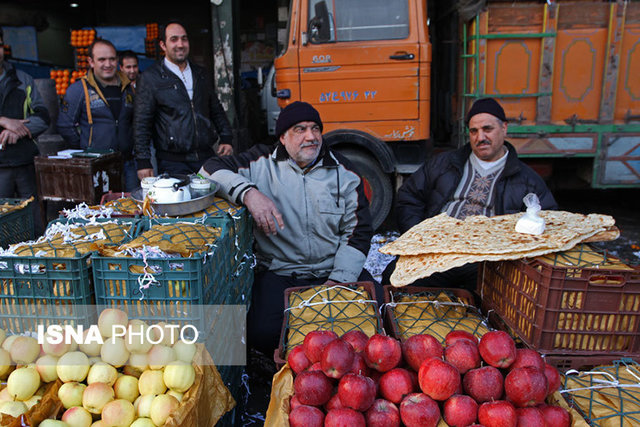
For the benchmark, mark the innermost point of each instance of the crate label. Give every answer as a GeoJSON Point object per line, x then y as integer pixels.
{"type": "Point", "coordinates": [105, 180]}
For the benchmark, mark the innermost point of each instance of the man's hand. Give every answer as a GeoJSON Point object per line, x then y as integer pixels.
{"type": "Point", "coordinates": [16, 126]}
{"type": "Point", "coordinates": [263, 211]}
{"type": "Point", "coordinates": [144, 173]}
{"type": "Point", "coordinates": [7, 137]}
{"type": "Point", "coordinates": [225, 150]}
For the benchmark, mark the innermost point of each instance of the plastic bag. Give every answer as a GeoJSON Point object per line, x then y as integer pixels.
{"type": "Point", "coordinates": [531, 222]}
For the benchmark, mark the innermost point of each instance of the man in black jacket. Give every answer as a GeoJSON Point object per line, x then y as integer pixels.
{"type": "Point", "coordinates": [177, 109]}
{"type": "Point", "coordinates": [23, 116]}
{"type": "Point", "coordinates": [484, 177]}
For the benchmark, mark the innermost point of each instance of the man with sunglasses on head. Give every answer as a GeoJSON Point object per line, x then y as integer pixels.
{"type": "Point", "coordinates": [312, 221]}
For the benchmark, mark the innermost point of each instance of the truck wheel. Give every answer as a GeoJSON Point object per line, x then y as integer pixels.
{"type": "Point", "coordinates": [377, 185]}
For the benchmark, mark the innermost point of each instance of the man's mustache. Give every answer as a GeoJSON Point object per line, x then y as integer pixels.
{"type": "Point", "coordinates": [483, 142]}
{"type": "Point", "coordinates": [309, 144]}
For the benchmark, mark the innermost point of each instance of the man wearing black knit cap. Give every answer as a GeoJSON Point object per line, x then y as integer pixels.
{"type": "Point", "coordinates": [312, 222]}
{"type": "Point", "coordinates": [483, 177]}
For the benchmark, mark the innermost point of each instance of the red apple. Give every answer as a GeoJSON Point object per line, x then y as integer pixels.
{"type": "Point", "coordinates": [555, 416]}
{"type": "Point", "coordinates": [438, 379]}
{"type": "Point", "coordinates": [333, 403]}
{"type": "Point", "coordinates": [484, 384]}
{"type": "Point", "coordinates": [315, 367]}
{"type": "Point", "coordinates": [337, 358]}
{"type": "Point", "coordinates": [454, 336]}
{"type": "Point", "coordinates": [383, 414]}
{"type": "Point", "coordinates": [497, 414]}
{"type": "Point", "coordinates": [294, 403]}
{"type": "Point", "coordinates": [312, 388]}
{"type": "Point", "coordinates": [527, 357]}
{"type": "Point", "coordinates": [297, 360]}
{"type": "Point", "coordinates": [463, 354]}
{"type": "Point", "coordinates": [529, 417]}
{"type": "Point", "coordinates": [344, 417]}
{"type": "Point", "coordinates": [553, 378]}
{"type": "Point", "coordinates": [419, 410]}
{"type": "Point", "coordinates": [460, 410]}
{"type": "Point", "coordinates": [396, 384]}
{"type": "Point", "coordinates": [306, 416]}
{"type": "Point", "coordinates": [382, 353]}
{"type": "Point", "coordinates": [357, 339]}
{"type": "Point", "coordinates": [497, 349]}
{"type": "Point", "coordinates": [419, 348]}
{"type": "Point", "coordinates": [357, 392]}
{"type": "Point", "coordinates": [315, 341]}
{"type": "Point", "coordinates": [359, 365]}
{"type": "Point", "coordinates": [526, 386]}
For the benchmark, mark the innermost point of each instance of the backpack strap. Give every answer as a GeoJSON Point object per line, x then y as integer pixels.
{"type": "Point", "coordinates": [88, 106]}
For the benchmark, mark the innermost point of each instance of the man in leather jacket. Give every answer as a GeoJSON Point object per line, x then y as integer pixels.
{"type": "Point", "coordinates": [176, 108]}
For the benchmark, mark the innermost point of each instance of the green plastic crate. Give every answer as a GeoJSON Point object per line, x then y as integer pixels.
{"type": "Point", "coordinates": [45, 291]}
{"type": "Point", "coordinates": [179, 287]}
{"type": "Point", "coordinates": [16, 226]}
{"type": "Point", "coordinates": [48, 290]}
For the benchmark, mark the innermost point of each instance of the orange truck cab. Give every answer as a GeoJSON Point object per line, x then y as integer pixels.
{"type": "Point", "coordinates": [565, 72]}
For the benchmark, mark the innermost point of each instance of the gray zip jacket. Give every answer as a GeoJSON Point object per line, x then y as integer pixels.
{"type": "Point", "coordinates": [327, 225]}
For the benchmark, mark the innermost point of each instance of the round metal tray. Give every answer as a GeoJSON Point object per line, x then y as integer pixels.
{"type": "Point", "coordinates": [180, 208]}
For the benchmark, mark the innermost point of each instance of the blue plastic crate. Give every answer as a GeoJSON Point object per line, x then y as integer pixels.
{"type": "Point", "coordinates": [16, 226]}
{"type": "Point", "coordinates": [179, 287]}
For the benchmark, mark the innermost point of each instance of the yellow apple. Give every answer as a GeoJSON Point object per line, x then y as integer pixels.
{"type": "Point", "coordinates": [103, 373]}
{"type": "Point", "coordinates": [126, 387]}
{"type": "Point", "coordinates": [23, 383]}
{"type": "Point", "coordinates": [109, 318]}
{"type": "Point", "coordinates": [185, 351]}
{"type": "Point", "coordinates": [176, 394]}
{"type": "Point", "coordinates": [114, 352]}
{"type": "Point", "coordinates": [179, 376]}
{"type": "Point", "coordinates": [136, 339]}
{"type": "Point", "coordinates": [95, 396]}
{"type": "Point", "coordinates": [24, 350]}
{"type": "Point", "coordinates": [53, 423]}
{"type": "Point", "coordinates": [143, 422]}
{"type": "Point", "coordinates": [56, 350]}
{"type": "Point", "coordinates": [5, 362]}
{"type": "Point", "coordinates": [161, 407]}
{"type": "Point", "coordinates": [73, 366]}
{"type": "Point", "coordinates": [90, 349]}
{"type": "Point", "coordinates": [8, 342]}
{"type": "Point", "coordinates": [77, 416]}
{"type": "Point", "coordinates": [47, 367]}
{"type": "Point", "coordinates": [160, 355]}
{"type": "Point", "coordinates": [70, 394]}
{"type": "Point", "coordinates": [118, 413]}
{"type": "Point", "coordinates": [151, 382]}
{"type": "Point", "coordinates": [142, 405]}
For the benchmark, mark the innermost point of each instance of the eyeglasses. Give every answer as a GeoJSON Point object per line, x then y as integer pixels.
{"type": "Point", "coordinates": [301, 130]}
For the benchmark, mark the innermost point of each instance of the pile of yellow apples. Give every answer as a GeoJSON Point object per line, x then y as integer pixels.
{"type": "Point", "coordinates": [125, 381]}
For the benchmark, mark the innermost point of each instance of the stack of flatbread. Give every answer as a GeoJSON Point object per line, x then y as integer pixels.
{"type": "Point", "coordinates": [442, 242]}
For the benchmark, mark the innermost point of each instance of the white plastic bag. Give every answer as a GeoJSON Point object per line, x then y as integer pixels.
{"type": "Point", "coordinates": [531, 222]}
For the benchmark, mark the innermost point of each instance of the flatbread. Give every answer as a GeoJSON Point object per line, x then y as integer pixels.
{"type": "Point", "coordinates": [496, 235]}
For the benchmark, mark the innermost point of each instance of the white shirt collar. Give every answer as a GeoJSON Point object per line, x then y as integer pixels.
{"type": "Point", "coordinates": [184, 75]}
{"type": "Point", "coordinates": [488, 165]}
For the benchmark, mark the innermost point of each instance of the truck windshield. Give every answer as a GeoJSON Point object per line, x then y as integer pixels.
{"type": "Point", "coordinates": [358, 20]}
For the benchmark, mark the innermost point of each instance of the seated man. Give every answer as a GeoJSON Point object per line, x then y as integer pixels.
{"type": "Point", "coordinates": [312, 222]}
{"type": "Point", "coordinates": [483, 177]}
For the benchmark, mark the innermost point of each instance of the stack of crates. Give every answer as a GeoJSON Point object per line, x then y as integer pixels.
{"type": "Point", "coordinates": [39, 290]}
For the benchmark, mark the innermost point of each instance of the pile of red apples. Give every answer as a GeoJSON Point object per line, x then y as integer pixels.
{"type": "Point", "coordinates": [355, 381]}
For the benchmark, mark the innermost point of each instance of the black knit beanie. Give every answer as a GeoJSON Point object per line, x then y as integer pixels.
{"type": "Point", "coordinates": [295, 113]}
{"type": "Point", "coordinates": [486, 105]}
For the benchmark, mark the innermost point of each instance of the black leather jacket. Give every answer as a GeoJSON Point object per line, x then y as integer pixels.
{"type": "Point", "coordinates": [427, 191]}
{"type": "Point", "coordinates": [181, 129]}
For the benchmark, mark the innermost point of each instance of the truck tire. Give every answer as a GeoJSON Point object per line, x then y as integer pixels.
{"type": "Point", "coordinates": [377, 185]}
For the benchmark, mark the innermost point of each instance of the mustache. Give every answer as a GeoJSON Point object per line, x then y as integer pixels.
{"type": "Point", "coordinates": [310, 144]}
{"type": "Point", "coordinates": [483, 142]}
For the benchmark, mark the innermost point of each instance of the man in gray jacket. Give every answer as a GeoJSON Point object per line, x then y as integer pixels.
{"type": "Point", "coordinates": [312, 222]}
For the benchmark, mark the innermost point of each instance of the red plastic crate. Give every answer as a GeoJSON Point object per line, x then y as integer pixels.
{"type": "Point", "coordinates": [568, 311]}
